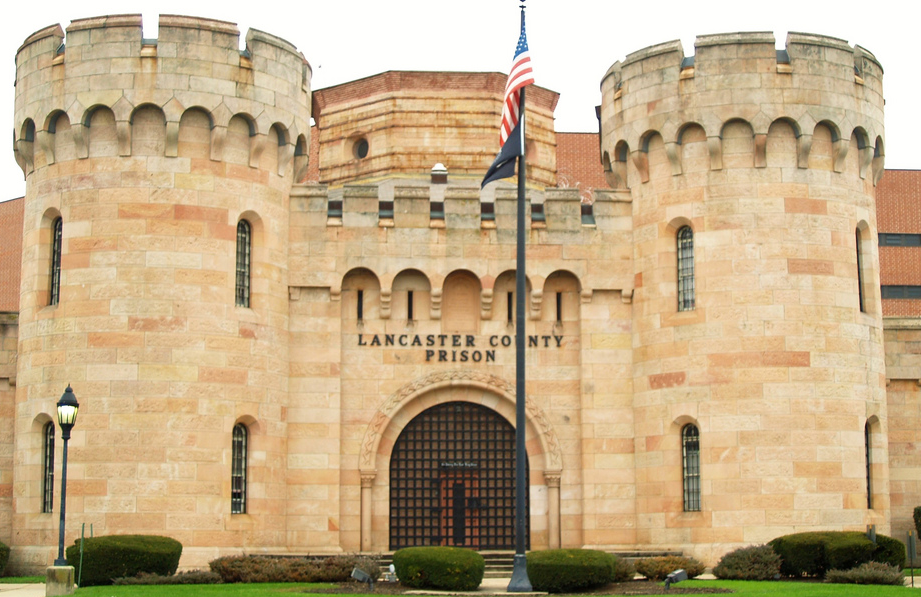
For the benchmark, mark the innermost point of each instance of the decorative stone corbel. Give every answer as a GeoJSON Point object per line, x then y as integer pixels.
{"type": "Point", "coordinates": [436, 303]}
{"type": "Point", "coordinates": [218, 134]}
{"type": "Point", "coordinates": [172, 139]}
{"type": "Point", "coordinates": [386, 296]}
{"type": "Point", "coordinates": [486, 296]}
{"type": "Point", "coordinates": [715, 146]}
{"type": "Point", "coordinates": [674, 159]}
{"type": "Point", "coordinates": [626, 296]}
{"type": "Point", "coordinates": [123, 135]}
{"type": "Point", "coordinates": [803, 147]}
{"type": "Point", "coordinates": [537, 299]}
{"type": "Point", "coordinates": [641, 161]}
{"type": "Point", "coordinates": [839, 154]}
{"type": "Point", "coordinates": [760, 150]}
{"type": "Point", "coordinates": [256, 147]}
{"type": "Point", "coordinates": [586, 295]}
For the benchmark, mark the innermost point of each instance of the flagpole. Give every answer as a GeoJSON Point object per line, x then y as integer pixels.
{"type": "Point", "coordinates": [520, 582]}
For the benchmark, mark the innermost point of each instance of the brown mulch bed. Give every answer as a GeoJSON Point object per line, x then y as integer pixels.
{"type": "Point", "coordinates": [636, 587]}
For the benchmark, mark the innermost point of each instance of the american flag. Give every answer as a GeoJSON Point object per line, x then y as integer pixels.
{"type": "Point", "coordinates": [519, 76]}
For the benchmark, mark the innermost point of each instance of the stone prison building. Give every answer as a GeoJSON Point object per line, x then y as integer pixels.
{"type": "Point", "coordinates": [287, 312]}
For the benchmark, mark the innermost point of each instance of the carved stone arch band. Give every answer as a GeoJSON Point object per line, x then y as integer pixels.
{"type": "Point", "coordinates": [537, 419]}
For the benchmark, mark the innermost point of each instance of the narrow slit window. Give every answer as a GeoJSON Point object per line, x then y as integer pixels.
{"type": "Point", "coordinates": [866, 443]}
{"type": "Point", "coordinates": [510, 307]}
{"type": "Point", "coordinates": [244, 248]}
{"type": "Point", "coordinates": [690, 461]}
{"type": "Point", "coordinates": [57, 230]}
{"type": "Point", "coordinates": [48, 468]}
{"type": "Point", "coordinates": [686, 300]}
{"type": "Point", "coordinates": [409, 305]}
{"type": "Point", "coordinates": [860, 297]}
{"type": "Point", "coordinates": [238, 470]}
{"type": "Point", "coordinates": [559, 307]}
{"type": "Point", "coordinates": [360, 307]}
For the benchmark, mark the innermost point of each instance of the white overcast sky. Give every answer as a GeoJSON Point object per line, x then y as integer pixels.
{"type": "Point", "coordinates": [572, 43]}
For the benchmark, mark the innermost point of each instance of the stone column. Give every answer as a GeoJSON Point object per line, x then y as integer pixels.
{"type": "Point", "coordinates": [367, 483]}
{"type": "Point", "coordinates": [553, 508]}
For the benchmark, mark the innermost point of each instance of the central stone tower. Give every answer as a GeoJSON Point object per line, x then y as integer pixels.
{"type": "Point", "coordinates": [758, 347]}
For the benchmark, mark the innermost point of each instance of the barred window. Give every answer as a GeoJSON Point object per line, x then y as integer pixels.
{"type": "Point", "coordinates": [244, 246]}
{"type": "Point", "coordinates": [866, 443]}
{"type": "Point", "coordinates": [57, 229]}
{"type": "Point", "coordinates": [685, 269]}
{"type": "Point", "coordinates": [690, 461]}
{"type": "Point", "coordinates": [48, 468]}
{"type": "Point", "coordinates": [238, 470]}
{"type": "Point", "coordinates": [860, 298]}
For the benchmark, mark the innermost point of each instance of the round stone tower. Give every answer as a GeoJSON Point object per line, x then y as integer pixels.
{"type": "Point", "coordinates": [154, 279]}
{"type": "Point", "coordinates": [758, 377]}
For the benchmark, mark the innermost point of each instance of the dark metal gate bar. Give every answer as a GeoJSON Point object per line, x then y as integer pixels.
{"type": "Point", "coordinates": [452, 480]}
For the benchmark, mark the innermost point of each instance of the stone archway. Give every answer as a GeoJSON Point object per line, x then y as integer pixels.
{"type": "Point", "coordinates": [544, 451]}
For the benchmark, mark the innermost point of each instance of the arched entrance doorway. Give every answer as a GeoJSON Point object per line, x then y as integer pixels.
{"type": "Point", "coordinates": [452, 479]}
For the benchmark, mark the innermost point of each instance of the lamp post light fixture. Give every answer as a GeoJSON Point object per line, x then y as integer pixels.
{"type": "Point", "coordinates": [67, 417]}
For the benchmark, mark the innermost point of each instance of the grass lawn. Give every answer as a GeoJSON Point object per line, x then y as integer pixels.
{"type": "Point", "coordinates": [235, 590]}
{"type": "Point", "coordinates": [799, 589]}
{"type": "Point", "coordinates": [742, 588]}
{"type": "Point", "coordinates": [16, 580]}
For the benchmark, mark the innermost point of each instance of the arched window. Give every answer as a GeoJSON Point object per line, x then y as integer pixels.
{"type": "Point", "coordinates": [690, 464]}
{"type": "Point", "coordinates": [860, 297]}
{"type": "Point", "coordinates": [48, 467]}
{"type": "Point", "coordinates": [57, 229]}
{"type": "Point", "coordinates": [238, 470]}
{"type": "Point", "coordinates": [685, 269]}
{"type": "Point", "coordinates": [244, 247]}
{"type": "Point", "coordinates": [866, 444]}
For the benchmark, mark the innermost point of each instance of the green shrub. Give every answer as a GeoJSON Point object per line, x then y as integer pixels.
{"type": "Point", "coordinates": [445, 568]}
{"type": "Point", "coordinates": [813, 554]}
{"type": "Point", "coordinates": [889, 551]}
{"type": "Point", "coordinates": [621, 569]}
{"type": "Point", "coordinates": [869, 573]}
{"type": "Point", "coordinates": [260, 569]}
{"type": "Point", "coordinates": [757, 562]}
{"type": "Point", "coordinates": [917, 517]}
{"type": "Point", "coordinates": [192, 577]}
{"type": "Point", "coordinates": [566, 570]}
{"type": "Point", "coordinates": [113, 556]}
{"type": "Point", "coordinates": [4, 557]}
{"type": "Point", "coordinates": [657, 569]}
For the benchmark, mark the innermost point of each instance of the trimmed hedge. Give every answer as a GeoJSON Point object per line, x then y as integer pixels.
{"type": "Point", "coordinates": [815, 553]}
{"type": "Point", "coordinates": [917, 517]}
{"type": "Point", "coordinates": [566, 570]}
{"type": "Point", "coordinates": [656, 569]}
{"type": "Point", "coordinates": [4, 557]}
{"type": "Point", "coordinates": [114, 556]}
{"type": "Point", "coordinates": [869, 573]}
{"type": "Point", "coordinates": [192, 577]}
{"type": "Point", "coordinates": [757, 562]}
{"type": "Point", "coordinates": [445, 568]}
{"type": "Point", "coordinates": [621, 569]}
{"type": "Point", "coordinates": [259, 569]}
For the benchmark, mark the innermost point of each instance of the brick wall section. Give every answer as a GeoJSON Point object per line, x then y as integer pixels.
{"type": "Point", "coordinates": [578, 163]}
{"type": "Point", "coordinates": [10, 254]}
{"type": "Point", "coordinates": [898, 210]}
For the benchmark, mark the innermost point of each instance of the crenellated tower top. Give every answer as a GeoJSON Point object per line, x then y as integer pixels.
{"type": "Point", "coordinates": [195, 63]}
{"type": "Point", "coordinates": [816, 81]}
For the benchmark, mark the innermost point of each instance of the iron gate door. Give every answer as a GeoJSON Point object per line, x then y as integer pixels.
{"type": "Point", "coordinates": [452, 480]}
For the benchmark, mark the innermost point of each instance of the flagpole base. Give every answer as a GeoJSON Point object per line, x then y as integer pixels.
{"type": "Point", "coordinates": [520, 582]}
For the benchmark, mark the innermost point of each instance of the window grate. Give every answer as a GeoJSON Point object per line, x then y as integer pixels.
{"type": "Point", "coordinates": [57, 233]}
{"type": "Point", "coordinates": [690, 458]}
{"type": "Point", "coordinates": [48, 468]}
{"type": "Point", "coordinates": [238, 470]}
{"type": "Point", "coordinates": [452, 480]}
{"type": "Point", "coordinates": [686, 301]}
{"type": "Point", "coordinates": [244, 244]}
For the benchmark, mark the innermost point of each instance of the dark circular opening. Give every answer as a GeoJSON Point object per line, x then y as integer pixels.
{"type": "Point", "coordinates": [361, 149]}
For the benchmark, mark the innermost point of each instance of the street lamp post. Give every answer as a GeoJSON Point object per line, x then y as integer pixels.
{"type": "Point", "coordinates": [67, 417]}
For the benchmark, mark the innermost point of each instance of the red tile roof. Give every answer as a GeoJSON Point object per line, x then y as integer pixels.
{"type": "Point", "coordinates": [11, 213]}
